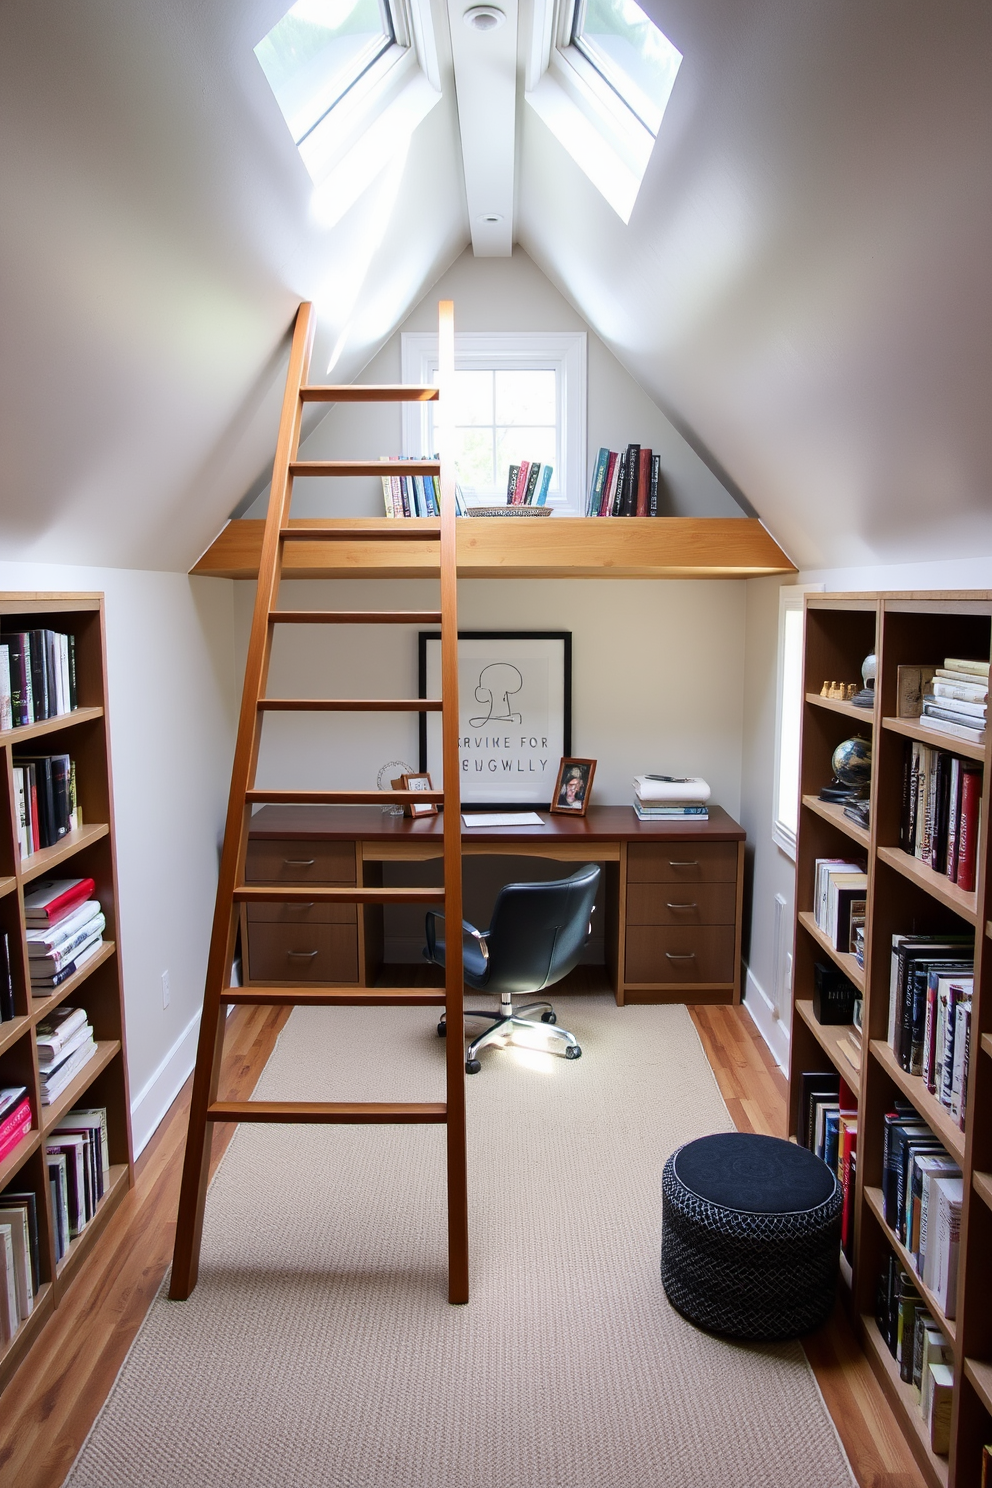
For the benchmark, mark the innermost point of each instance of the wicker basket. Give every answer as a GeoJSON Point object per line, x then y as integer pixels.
{"type": "Point", "coordinates": [509, 511]}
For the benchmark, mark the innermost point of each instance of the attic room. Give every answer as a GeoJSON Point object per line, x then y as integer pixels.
{"type": "Point", "coordinates": [750, 240]}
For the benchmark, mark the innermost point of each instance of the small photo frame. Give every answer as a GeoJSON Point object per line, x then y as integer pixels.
{"type": "Point", "coordinates": [418, 783]}
{"type": "Point", "coordinates": [573, 786]}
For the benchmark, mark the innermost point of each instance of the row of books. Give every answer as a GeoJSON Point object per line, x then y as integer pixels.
{"type": "Point", "coordinates": [415, 495]}
{"type": "Point", "coordinates": [840, 897]}
{"type": "Point", "coordinates": [65, 926]}
{"type": "Point", "coordinates": [922, 1192]}
{"type": "Point", "coordinates": [931, 980]}
{"type": "Point", "coordinates": [47, 806]}
{"type": "Point", "coordinates": [37, 676]}
{"type": "Point", "coordinates": [78, 1154]}
{"type": "Point", "coordinates": [922, 1351]}
{"type": "Point", "coordinates": [958, 698]}
{"type": "Point", "coordinates": [15, 1118]}
{"type": "Point", "coordinates": [625, 484]}
{"type": "Point", "coordinates": [828, 1126]}
{"type": "Point", "coordinates": [527, 484]}
{"type": "Point", "coordinates": [941, 808]}
{"type": "Point", "coordinates": [671, 797]}
{"type": "Point", "coordinates": [6, 979]}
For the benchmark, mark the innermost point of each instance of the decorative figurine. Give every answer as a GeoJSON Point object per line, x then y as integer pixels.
{"type": "Point", "coordinates": [866, 697]}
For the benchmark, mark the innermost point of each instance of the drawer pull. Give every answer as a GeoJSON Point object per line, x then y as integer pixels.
{"type": "Point", "coordinates": [669, 905]}
{"type": "Point", "coordinates": [299, 862]}
{"type": "Point", "coordinates": [304, 955]}
{"type": "Point", "coordinates": [689, 863]}
{"type": "Point", "coordinates": [683, 956]}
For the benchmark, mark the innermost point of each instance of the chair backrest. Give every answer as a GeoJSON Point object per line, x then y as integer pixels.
{"type": "Point", "coordinates": [538, 930]}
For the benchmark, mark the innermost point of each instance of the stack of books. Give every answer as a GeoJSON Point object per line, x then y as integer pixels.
{"type": "Point", "coordinates": [827, 1124]}
{"type": "Point", "coordinates": [65, 930]}
{"type": "Point", "coordinates": [78, 1168]}
{"type": "Point", "coordinates": [840, 895]}
{"type": "Point", "coordinates": [921, 1194]}
{"type": "Point", "coordinates": [958, 700]}
{"type": "Point", "coordinates": [15, 1118]}
{"type": "Point", "coordinates": [930, 991]}
{"type": "Point", "coordinates": [65, 1044]}
{"type": "Point", "coordinates": [415, 495]}
{"type": "Point", "coordinates": [20, 1259]}
{"type": "Point", "coordinates": [920, 1347]}
{"type": "Point", "coordinates": [37, 677]}
{"type": "Point", "coordinates": [47, 808]}
{"type": "Point", "coordinates": [625, 485]}
{"type": "Point", "coordinates": [671, 798]}
{"type": "Point", "coordinates": [938, 823]}
{"type": "Point", "coordinates": [527, 483]}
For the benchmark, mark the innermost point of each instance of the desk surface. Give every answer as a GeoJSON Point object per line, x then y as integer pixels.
{"type": "Point", "coordinates": [600, 824]}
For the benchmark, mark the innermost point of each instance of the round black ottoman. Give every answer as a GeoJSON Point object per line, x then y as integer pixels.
{"type": "Point", "coordinates": [750, 1236]}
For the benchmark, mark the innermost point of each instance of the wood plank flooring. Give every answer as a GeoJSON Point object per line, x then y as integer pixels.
{"type": "Point", "coordinates": [51, 1403]}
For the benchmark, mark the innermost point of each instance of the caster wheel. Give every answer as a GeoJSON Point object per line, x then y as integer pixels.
{"type": "Point", "coordinates": [572, 1051]}
{"type": "Point", "coordinates": [442, 1029]}
{"type": "Point", "coordinates": [549, 1017]}
{"type": "Point", "coordinates": [473, 1066]}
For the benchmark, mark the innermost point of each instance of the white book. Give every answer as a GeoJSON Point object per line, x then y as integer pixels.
{"type": "Point", "coordinates": [6, 712]}
{"type": "Point", "coordinates": [950, 674]}
{"type": "Point", "coordinates": [52, 936]}
{"type": "Point", "coordinates": [972, 668]}
{"type": "Point", "coordinates": [660, 790]}
{"type": "Point", "coordinates": [936, 1350]}
{"type": "Point", "coordinates": [20, 1237]}
{"type": "Point", "coordinates": [43, 962]}
{"type": "Point", "coordinates": [51, 1089]}
{"type": "Point", "coordinates": [959, 1071]}
{"type": "Point", "coordinates": [949, 1194]}
{"type": "Point", "coordinates": [971, 707]}
{"type": "Point", "coordinates": [957, 730]}
{"type": "Point", "coordinates": [8, 1286]}
{"type": "Point", "coordinates": [96, 1119]}
{"type": "Point", "coordinates": [79, 1036]}
{"type": "Point", "coordinates": [963, 692]}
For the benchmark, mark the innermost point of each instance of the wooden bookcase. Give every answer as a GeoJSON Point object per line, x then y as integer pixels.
{"type": "Point", "coordinates": [88, 851]}
{"type": "Point", "coordinates": [903, 895]}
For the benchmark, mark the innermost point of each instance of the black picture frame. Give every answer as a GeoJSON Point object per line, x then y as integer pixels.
{"type": "Point", "coordinates": [517, 764]}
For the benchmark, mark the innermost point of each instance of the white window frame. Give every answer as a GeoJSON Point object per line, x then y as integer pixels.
{"type": "Point", "coordinates": [790, 600]}
{"type": "Point", "coordinates": [564, 352]}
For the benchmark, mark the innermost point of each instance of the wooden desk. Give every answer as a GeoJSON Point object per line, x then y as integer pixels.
{"type": "Point", "coordinates": [673, 893]}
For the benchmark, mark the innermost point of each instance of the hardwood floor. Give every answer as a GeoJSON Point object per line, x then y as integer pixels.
{"type": "Point", "coordinates": [51, 1403]}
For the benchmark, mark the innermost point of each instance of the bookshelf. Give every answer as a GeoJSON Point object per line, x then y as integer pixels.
{"type": "Point", "coordinates": [87, 851]}
{"type": "Point", "coordinates": [904, 895]}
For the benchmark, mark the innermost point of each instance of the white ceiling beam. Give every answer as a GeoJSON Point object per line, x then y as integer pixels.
{"type": "Point", "coordinates": [485, 63]}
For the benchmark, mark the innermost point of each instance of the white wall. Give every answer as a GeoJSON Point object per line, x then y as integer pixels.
{"type": "Point", "coordinates": [170, 659]}
{"type": "Point", "coordinates": [503, 294]}
{"type": "Point", "coordinates": [658, 670]}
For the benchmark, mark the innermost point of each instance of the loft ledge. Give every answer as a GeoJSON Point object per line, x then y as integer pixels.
{"type": "Point", "coordinates": [492, 548]}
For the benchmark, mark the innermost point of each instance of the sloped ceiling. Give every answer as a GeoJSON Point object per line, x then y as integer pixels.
{"type": "Point", "coordinates": [803, 284]}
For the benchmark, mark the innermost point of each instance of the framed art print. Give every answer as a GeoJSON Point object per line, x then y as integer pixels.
{"type": "Point", "coordinates": [514, 714]}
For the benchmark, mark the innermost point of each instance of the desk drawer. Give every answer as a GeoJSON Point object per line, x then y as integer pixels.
{"type": "Point", "coordinates": [298, 860]}
{"type": "Point", "coordinates": [668, 904]}
{"type": "Point", "coordinates": [260, 912]}
{"type": "Point", "coordinates": [682, 862]}
{"type": "Point", "coordinates": [305, 953]}
{"type": "Point", "coordinates": [663, 953]}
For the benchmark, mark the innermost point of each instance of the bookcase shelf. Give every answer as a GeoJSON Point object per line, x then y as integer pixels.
{"type": "Point", "coordinates": [831, 1038]}
{"type": "Point", "coordinates": [904, 895]}
{"type": "Point", "coordinates": [910, 729]}
{"type": "Point", "coordinates": [88, 851]}
{"type": "Point", "coordinates": [835, 816]}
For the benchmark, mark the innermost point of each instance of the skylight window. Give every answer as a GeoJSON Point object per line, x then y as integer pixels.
{"type": "Point", "coordinates": [630, 53]}
{"type": "Point", "coordinates": [318, 51]}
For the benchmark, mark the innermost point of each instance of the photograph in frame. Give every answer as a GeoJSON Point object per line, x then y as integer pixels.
{"type": "Point", "coordinates": [573, 786]}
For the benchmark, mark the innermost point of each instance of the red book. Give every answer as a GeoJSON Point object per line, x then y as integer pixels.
{"type": "Point", "coordinates": [643, 483]}
{"type": "Point", "coordinates": [14, 1138]}
{"type": "Point", "coordinates": [520, 488]}
{"type": "Point", "coordinates": [51, 900]}
{"type": "Point", "coordinates": [971, 795]}
{"type": "Point", "coordinates": [609, 486]}
{"type": "Point", "coordinates": [35, 832]}
{"type": "Point", "coordinates": [848, 1148]}
{"type": "Point", "coordinates": [15, 1118]}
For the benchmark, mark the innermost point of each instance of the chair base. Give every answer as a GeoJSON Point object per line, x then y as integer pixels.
{"type": "Point", "coordinates": [503, 1024]}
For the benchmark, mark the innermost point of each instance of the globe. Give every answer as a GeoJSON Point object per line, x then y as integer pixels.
{"type": "Point", "coordinates": [851, 764]}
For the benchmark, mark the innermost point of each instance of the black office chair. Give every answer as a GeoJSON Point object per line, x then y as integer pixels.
{"type": "Point", "coordinates": [535, 938]}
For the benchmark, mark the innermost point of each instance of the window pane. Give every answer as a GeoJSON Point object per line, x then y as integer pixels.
{"type": "Point", "coordinates": [792, 678]}
{"type": "Point", "coordinates": [634, 57]}
{"type": "Point", "coordinates": [526, 398]}
{"type": "Point", "coordinates": [474, 459]}
{"type": "Point", "coordinates": [314, 54]}
{"type": "Point", "coordinates": [521, 443]}
{"type": "Point", "coordinates": [473, 398]}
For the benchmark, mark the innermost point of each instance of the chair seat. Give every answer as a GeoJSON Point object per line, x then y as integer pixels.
{"type": "Point", "coordinates": [474, 964]}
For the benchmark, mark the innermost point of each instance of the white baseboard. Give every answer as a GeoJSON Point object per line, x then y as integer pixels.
{"type": "Point", "coordinates": [766, 1020]}
{"type": "Point", "coordinates": [155, 1097]}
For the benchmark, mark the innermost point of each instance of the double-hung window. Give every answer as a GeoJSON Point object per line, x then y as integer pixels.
{"type": "Point", "coordinates": [629, 53]}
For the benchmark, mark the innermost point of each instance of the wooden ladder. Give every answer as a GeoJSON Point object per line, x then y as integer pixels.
{"type": "Point", "coordinates": [232, 890]}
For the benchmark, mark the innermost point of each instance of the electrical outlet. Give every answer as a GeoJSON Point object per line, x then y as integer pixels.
{"type": "Point", "coordinates": [165, 989]}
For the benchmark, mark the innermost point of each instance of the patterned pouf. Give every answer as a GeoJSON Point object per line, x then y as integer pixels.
{"type": "Point", "coordinates": [750, 1236]}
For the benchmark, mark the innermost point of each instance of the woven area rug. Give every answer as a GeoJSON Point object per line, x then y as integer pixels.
{"type": "Point", "coordinates": [318, 1349]}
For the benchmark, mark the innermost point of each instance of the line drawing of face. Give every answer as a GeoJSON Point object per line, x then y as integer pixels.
{"type": "Point", "coordinates": [498, 682]}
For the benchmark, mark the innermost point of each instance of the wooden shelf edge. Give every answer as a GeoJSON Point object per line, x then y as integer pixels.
{"type": "Point", "coordinates": [16, 1159]}
{"type": "Point", "coordinates": [987, 1043]}
{"type": "Point", "coordinates": [982, 1184]}
{"type": "Point", "coordinates": [42, 1006]}
{"type": "Point", "coordinates": [844, 959]}
{"type": "Point", "coordinates": [831, 1038]}
{"type": "Point", "coordinates": [49, 725]}
{"type": "Point", "coordinates": [12, 1352]}
{"type": "Point", "coordinates": [937, 885]}
{"type": "Point", "coordinates": [834, 705]}
{"type": "Point", "coordinates": [929, 1107]}
{"type": "Point", "coordinates": [12, 1030]}
{"type": "Point", "coordinates": [106, 1050]}
{"type": "Point", "coordinates": [834, 814]}
{"type": "Point", "coordinates": [910, 729]}
{"type": "Point", "coordinates": [7, 886]}
{"type": "Point", "coordinates": [904, 1403]}
{"type": "Point", "coordinates": [118, 1182]}
{"type": "Point", "coordinates": [979, 1376]}
{"type": "Point", "coordinates": [876, 1203]}
{"type": "Point", "coordinates": [47, 858]}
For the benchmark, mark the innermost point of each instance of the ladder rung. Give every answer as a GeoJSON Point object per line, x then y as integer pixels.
{"type": "Point", "coordinates": [340, 798]}
{"type": "Point", "coordinates": [403, 529]}
{"type": "Point", "coordinates": [336, 996]}
{"type": "Point", "coordinates": [364, 467]}
{"type": "Point", "coordinates": [324, 894]}
{"type": "Point", "coordinates": [367, 392]}
{"type": "Point", "coordinates": [335, 1113]}
{"type": "Point", "coordinates": [350, 705]}
{"type": "Point", "coordinates": [355, 617]}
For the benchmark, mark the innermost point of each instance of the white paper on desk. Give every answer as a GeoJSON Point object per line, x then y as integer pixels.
{"type": "Point", "coordinates": [503, 819]}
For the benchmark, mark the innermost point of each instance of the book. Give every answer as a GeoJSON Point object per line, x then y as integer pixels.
{"type": "Point", "coordinates": [94, 1121]}
{"type": "Point", "coordinates": [936, 1350]}
{"type": "Point", "coordinates": [520, 485]}
{"type": "Point", "coordinates": [52, 898]}
{"type": "Point", "coordinates": [948, 726]}
{"type": "Point", "coordinates": [970, 668]}
{"type": "Point", "coordinates": [16, 1218]}
{"type": "Point", "coordinates": [45, 938]}
{"type": "Point", "coordinates": [620, 486]}
{"type": "Point", "coordinates": [653, 508]}
{"type": "Point", "coordinates": [948, 1196]}
{"type": "Point", "coordinates": [28, 1201]}
{"type": "Point", "coordinates": [971, 793]}
{"type": "Point", "coordinates": [16, 1133]}
{"type": "Point", "coordinates": [6, 712]}
{"type": "Point", "coordinates": [813, 1083]}
{"type": "Point", "coordinates": [53, 1082]}
{"type": "Point", "coordinates": [533, 476]}
{"type": "Point", "coordinates": [59, 1194]}
{"type": "Point", "coordinates": [965, 706]}
{"type": "Point", "coordinates": [54, 1032]}
{"type": "Point", "coordinates": [598, 483]}
{"type": "Point", "coordinates": [642, 505]}
{"type": "Point", "coordinates": [670, 813]}
{"type": "Point", "coordinates": [42, 961]}
{"type": "Point", "coordinates": [544, 485]}
{"type": "Point", "coordinates": [19, 664]}
{"type": "Point", "coordinates": [9, 1319]}
{"type": "Point", "coordinates": [662, 790]}
{"type": "Point", "coordinates": [941, 1394]}
{"type": "Point", "coordinates": [963, 692]}
{"type": "Point", "coordinates": [610, 485]}
{"type": "Point", "coordinates": [6, 979]}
